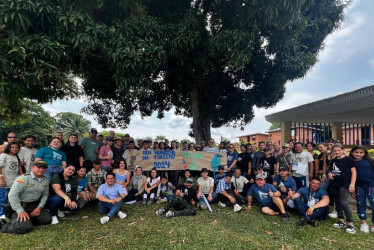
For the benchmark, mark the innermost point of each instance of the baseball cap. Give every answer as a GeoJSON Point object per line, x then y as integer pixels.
{"type": "Point", "coordinates": [109, 138]}
{"type": "Point", "coordinates": [93, 130]}
{"type": "Point", "coordinates": [118, 138]}
{"type": "Point", "coordinates": [41, 164]}
{"type": "Point", "coordinates": [284, 168]}
{"type": "Point", "coordinates": [260, 176]}
{"type": "Point", "coordinates": [190, 180]}
{"type": "Point", "coordinates": [127, 135]}
{"type": "Point", "coordinates": [286, 145]}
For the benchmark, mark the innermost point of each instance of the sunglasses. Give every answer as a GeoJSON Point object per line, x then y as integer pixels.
{"type": "Point", "coordinates": [43, 167]}
{"type": "Point", "coordinates": [15, 137]}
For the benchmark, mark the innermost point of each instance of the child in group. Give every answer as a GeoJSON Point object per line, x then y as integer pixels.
{"type": "Point", "coordinates": [221, 174]}
{"type": "Point", "coordinates": [364, 184]}
{"type": "Point", "coordinates": [83, 196]}
{"type": "Point", "coordinates": [342, 174]}
{"type": "Point", "coordinates": [268, 163]}
{"type": "Point", "coordinates": [164, 191]}
{"type": "Point", "coordinates": [150, 187]}
{"type": "Point", "coordinates": [10, 169]}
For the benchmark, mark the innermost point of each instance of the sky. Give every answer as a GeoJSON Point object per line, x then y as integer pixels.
{"type": "Point", "coordinates": [345, 64]}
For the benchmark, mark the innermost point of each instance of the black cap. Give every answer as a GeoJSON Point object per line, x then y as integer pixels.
{"type": "Point", "coordinates": [284, 168]}
{"type": "Point", "coordinates": [93, 130]}
{"type": "Point", "coordinates": [41, 164]}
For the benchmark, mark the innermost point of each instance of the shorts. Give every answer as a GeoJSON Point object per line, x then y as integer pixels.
{"type": "Point", "coordinates": [272, 206]}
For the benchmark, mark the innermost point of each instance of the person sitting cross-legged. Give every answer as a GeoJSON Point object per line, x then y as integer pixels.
{"type": "Point", "coordinates": [312, 203]}
{"type": "Point", "coordinates": [110, 196]}
{"type": "Point", "coordinates": [183, 201]}
{"type": "Point", "coordinates": [268, 197]}
{"type": "Point", "coordinates": [286, 185]}
{"type": "Point", "coordinates": [226, 195]}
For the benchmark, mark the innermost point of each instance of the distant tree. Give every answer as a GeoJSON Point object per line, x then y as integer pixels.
{"type": "Point", "coordinates": [41, 125]}
{"type": "Point", "coordinates": [160, 138]}
{"type": "Point", "coordinates": [69, 123]}
{"type": "Point", "coordinates": [275, 126]}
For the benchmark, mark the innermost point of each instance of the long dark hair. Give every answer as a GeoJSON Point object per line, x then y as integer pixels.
{"type": "Point", "coordinates": [366, 156]}
{"type": "Point", "coordinates": [7, 149]}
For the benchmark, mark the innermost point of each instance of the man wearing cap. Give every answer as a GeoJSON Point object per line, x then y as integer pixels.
{"type": "Point", "coordinates": [312, 203]}
{"type": "Point", "coordinates": [117, 149]}
{"type": "Point", "coordinates": [126, 142]}
{"type": "Point", "coordinates": [268, 197]}
{"type": "Point", "coordinates": [286, 185]}
{"type": "Point", "coordinates": [205, 187]}
{"type": "Point", "coordinates": [95, 177]}
{"type": "Point", "coordinates": [283, 159]}
{"type": "Point", "coordinates": [27, 197]}
{"type": "Point", "coordinates": [90, 147]}
{"type": "Point", "coordinates": [183, 201]}
{"type": "Point", "coordinates": [226, 196]}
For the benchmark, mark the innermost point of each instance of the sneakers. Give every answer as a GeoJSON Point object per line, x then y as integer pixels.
{"type": "Point", "coordinates": [150, 202]}
{"type": "Point", "coordinates": [221, 205]}
{"type": "Point", "coordinates": [237, 208]}
{"type": "Point", "coordinates": [364, 228]}
{"type": "Point", "coordinates": [60, 214]}
{"type": "Point", "coordinates": [333, 215]}
{"type": "Point", "coordinates": [169, 214]}
{"type": "Point", "coordinates": [285, 216]}
{"type": "Point", "coordinates": [160, 211]}
{"type": "Point", "coordinates": [163, 200]}
{"type": "Point", "coordinates": [314, 223]}
{"type": "Point", "coordinates": [54, 220]}
{"type": "Point", "coordinates": [340, 224]}
{"type": "Point", "coordinates": [122, 215]}
{"type": "Point", "coordinates": [104, 220]}
{"type": "Point", "coordinates": [372, 229]}
{"type": "Point", "coordinates": [203, 206]}
{"type": "Point", "coordinates": [144, 202]}
{"type": "Point", "coordinates": [303, 222]}
{"type": "Point", "coordinates": [350, 229]}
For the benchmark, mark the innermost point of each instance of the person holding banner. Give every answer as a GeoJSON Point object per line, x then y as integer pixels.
{"type": "Point", "coordinates": [206, 187]}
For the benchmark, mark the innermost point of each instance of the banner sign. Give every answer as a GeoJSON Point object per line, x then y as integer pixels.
{"type": "Point", "coordinates": [175, 160]}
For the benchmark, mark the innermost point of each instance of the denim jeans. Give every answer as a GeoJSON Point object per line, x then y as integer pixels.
{"type": "Point", "coordinates": [318, 213]}
{"type": "Point", "coordinates": [109, 208]}
{"type": "Point", "coordinates": [3, 198]}
{"type": "Point", "coordinates": [55, 202]}
{"type": "Point", "coordinates": [361, 194]}
{"type": "Point", "coordinates": [301, 181]}
{"type": "Point", "coordinates": [52, 171]}
{"type": "Point", "coordinates": [214, 196]}
{"type": "Point", "coordinates": [169, 197]}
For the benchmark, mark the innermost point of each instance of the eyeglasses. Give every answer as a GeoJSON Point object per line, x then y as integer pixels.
{"type": "Point", "coordinates": [43, 167]}
{"type": "Point", "coordinates": [15, 137]}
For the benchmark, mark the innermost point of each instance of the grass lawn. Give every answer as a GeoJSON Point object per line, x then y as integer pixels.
{"type": "Point", "coordinates": [221, 229]}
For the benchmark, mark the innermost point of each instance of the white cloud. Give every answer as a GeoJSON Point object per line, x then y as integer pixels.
{"type": "Point", "coordinates": [371, 62]}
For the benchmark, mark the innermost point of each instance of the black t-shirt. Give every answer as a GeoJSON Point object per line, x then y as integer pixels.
{"type": "Point", "coordinates": [342, 170]}
{"type": "Point", "coordinates": [117, 152]}
{"type": "Point", "coordinates": [189, 193]}
{"type": "Point", "coordinates": [257, 159]}
{"type": "Point", "coordinates": [243, 160]}
{"type": "Point", "coordinates": [322, 161]}
{"type": "Point", "coordinates": [72, 154]}
{"type": "Point", "coordinates": [268, 164]}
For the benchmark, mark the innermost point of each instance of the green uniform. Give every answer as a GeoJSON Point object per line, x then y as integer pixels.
{"type": "Point", "coordinates": [182, 207]}
{"type": "Point", "coordinates": [26, 194]}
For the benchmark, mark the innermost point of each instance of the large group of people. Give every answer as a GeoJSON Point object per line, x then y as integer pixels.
{"type": "Point", "coordinates": [39, 186]}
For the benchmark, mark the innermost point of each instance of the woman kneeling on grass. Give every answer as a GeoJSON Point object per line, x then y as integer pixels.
{"type": "Point", "coordinates": [364, 184]}
{"type": "Point", "coordinates": [150, 187]}
{"type": "Point", "coordinates": [342, 174]}
{"type": "Point", "coordinates": [63, 193]}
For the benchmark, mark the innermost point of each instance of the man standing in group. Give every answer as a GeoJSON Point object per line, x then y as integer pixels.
{"type": "Point", "coordinates": [312, 203]}
{"type": "Point", "coordinates": [111, 197]}
{"type": "Point", "coordinates": [90, 148]}
{"type": "Point", "coordinates": [232, 158]}
{"type": "Point", "coordinates": [95, 177]}
{"type": "Point", "coordinates": [258, 155]}
{"type": "Point", "coordinates": [126, 142]}
{"type": "Point", "coordinates": [12, 137]}
{"type": "Point", "coordinates": [301, 166]}
{"type": "Point", "coordinates": [268, 197]}
{"type": "Point", "coordinates": [27, 197]}
{"type": "Point", "coordinates": [60, 136]}
{"type": "Point", "coordinates": [210, 148]}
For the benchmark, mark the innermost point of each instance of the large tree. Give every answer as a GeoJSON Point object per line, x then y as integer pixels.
{"type": "Point", "coordinates": [71, 123]}
{"type": "Point", "coordinates": [211, 60]}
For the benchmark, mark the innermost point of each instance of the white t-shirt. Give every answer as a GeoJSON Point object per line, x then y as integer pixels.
{"type": "Point", "coordinates": [28, 156]}
{"type": "Point", "coordinates": [205, 184]}
{"type": "Point", "coordinates": [9, 168]}
{"type": "Point", "coordinates": [210, 149]}
{"type": "Point", "coordinates": [152, 182]}
{"type": "Point", "coordinates": [302, 159]}
{"type": "Point", "coordinates": [239, 182]}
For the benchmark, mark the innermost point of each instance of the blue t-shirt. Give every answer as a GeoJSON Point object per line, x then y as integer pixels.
{"type": "Point", "coordinates": [217, 178]}
{"type": "Point", "coordinates": [231, 157]}
{"type": "Point", "coordinates": [51, 156]}
{"type": "Point", "coordinates": [82, 184]}
{"type": "Point", "coordinates": [111, 193]}
{"type": "Point", "coordinates": [290, 183]}
{"type": "Point", "coordinates": [311, 197]}
{"type": "Point", "coordinates": [365, 174]}
{"type": "Point", "coordinates": [262, 194]}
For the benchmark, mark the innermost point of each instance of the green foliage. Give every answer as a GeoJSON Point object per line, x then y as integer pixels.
{"type": "Point", "coordinates": [160, 138]}
{"type": "Point", "coordinates": [275, 126]}
{"type": "Point", "coordinates": [41, 125]}
{"type": "Point", "coordinates": [69, 123]}
{"type": "Point", "coordinates": [371, 153]}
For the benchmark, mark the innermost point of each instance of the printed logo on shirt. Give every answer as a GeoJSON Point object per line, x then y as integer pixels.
{"type": "Point", "coordinates": [57, 156]}
{"type": "Point", "coordinates": [335, 169]}
{"type": "Point", "coordinates": [263, 195]}
{"type": "Point", "coordinates": [266, 165]}
{"type": "Point", "coordinates": [68, 187]}
{"type": "Point", "coordinates": [13, 165]}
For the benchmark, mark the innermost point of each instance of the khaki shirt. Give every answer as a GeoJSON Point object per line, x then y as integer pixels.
{"type": "Point", "coordinates": [27, 188]}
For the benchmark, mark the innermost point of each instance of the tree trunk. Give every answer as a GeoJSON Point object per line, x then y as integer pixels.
{"type": "Point", "coordinates": [200, 122]}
